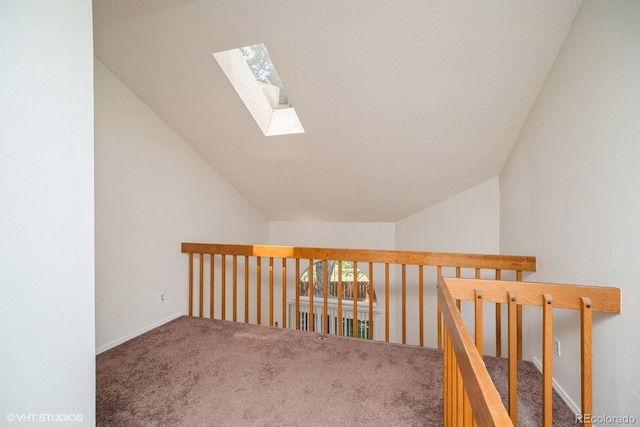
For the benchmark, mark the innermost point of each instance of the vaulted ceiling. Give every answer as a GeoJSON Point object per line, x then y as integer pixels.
{"type": "Point", "coordinates": [404, 103]}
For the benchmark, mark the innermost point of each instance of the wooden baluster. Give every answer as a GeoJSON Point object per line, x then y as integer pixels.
{"type": "Point", "coordinates": [354, 287]}
{"type": "Point", "coordinates": [340, 321]}
{"type": "Point", "coordinates": [452, 380]}
{"type": "Point", "coordinates": [223, 279]}
{"type": "Point", "coordinates": [519, 279]}
{"type": "Point", "coordinates": [450, 373]}
{"type": "Point", "coordinates": [234, 298]}
{"type": "Point", "coordinates": [585, 357]}
{"type": "Point", "coordinates": [498, 321]}
{"type": "Point", "coordinates": [453, 368]}
{"type": "Point", "coordinates": [404, 303]}
{"type": "Point", "coordinates": [478, 320]}
{"type": "Point", "coordinates": [371, 295]}
{"type": "Point", "coordinates": [284, 292]}
{"type": "Point", "coordinates": [270, 291]}
{"type": "Point", "coordinates": [547, 360]}
{"type": "Point", "coordinates": [201, 287]}
{"type": "Point", "coordinates": [467, 417]}
{"type": "Point", "coordinates": [421, 304]}
{"type": "Point", "coordinates": [297, 293]}
{"type": "Point", "coordinates": [325, 306]}
{"type": "Point", "coordinates": [445, 380]}
{"type": "Point", "coordinates": [259, 290]}
{"type": "Point", "coordinates": [513, 358]}
{"type": "Point", "coordinates": [459, 396]}
{"type": "Point", "coordinates": [478, 317]}
{"type": "Point", "coordinates": [454, 388]}
{"type": "Point", "coordinates": [246, 289]}
{"type": "Point", "coordinates": [311, 292]}
{"type": "Point", "coordinates": [386, 302]}
{"type": "Point", "coordinates": [458, 275]}
{"type": "Point", "coordinates": [439, 312]}
{"type": "Point", "coordinates": [190, 284]}
{"type": "Point", "coordinates": [212, 287]}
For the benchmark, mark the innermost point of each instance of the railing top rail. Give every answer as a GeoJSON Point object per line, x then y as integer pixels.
{"type": "Point", "coordinates": [603, 299]}
{"type": "Point", "coordinates": [485, 261]}
{"type": "Point", "coordinates": [485, 400]}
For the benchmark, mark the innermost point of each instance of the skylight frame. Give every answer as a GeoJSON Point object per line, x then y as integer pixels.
{"type": "Point", "coordinates": [260, 98]}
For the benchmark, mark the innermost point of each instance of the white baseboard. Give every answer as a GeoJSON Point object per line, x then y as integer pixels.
{"type": "Point", "coordinates": [138, 332]}
{"type": "Point", "coordinates": [563, 394]}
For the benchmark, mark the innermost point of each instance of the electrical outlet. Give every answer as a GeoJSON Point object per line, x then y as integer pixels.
{"type": "Point", "coordinates": [556, 347]}
{"type": "Point", "coordinates": [161, 297]}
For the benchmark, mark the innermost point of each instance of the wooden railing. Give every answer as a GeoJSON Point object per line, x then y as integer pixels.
{"type": "Point", "coordinates": [469, 394]}
{"type": "Point", "coordinates": [470, 397]}
{"type": "Point", "coordinates": [247, 271]}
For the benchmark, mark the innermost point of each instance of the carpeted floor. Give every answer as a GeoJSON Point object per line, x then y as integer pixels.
{"type": "Point", "coordinates": [201, 372]}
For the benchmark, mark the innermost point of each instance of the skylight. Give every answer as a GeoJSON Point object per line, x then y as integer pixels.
{"type": "Point", "coordinates": [255, 79]}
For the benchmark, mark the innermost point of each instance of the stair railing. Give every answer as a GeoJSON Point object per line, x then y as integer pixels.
{"type": "Point", "coordinates": [468, 395]}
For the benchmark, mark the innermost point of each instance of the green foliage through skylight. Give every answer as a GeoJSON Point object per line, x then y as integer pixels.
{"type": "Point", "coordinates": [259, 62]}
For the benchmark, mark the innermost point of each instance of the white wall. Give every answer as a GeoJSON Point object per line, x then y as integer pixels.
{"type": "Point", "coordinates": [152, 193]}
{"type": "Point", "coordinates": [47, 358]}
{"type": "Point", "coordinates": [569, 195]}
{"type": "Point", "coordinates": [468, 222]}
{"type": "Point", "coordinates": [353, 235]}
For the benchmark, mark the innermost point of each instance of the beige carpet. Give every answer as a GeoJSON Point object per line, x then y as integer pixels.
{"type": "Point", "coordinates": [201, 372]}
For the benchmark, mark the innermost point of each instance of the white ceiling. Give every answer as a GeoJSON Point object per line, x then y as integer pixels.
{"type": "Point", "coordinates": [404, 103]}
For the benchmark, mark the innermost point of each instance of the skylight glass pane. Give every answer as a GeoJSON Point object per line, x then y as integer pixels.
{"type": "Point", "coordinates": [255, 79]}
{"type": "Point", "coordinates": [264, 71]}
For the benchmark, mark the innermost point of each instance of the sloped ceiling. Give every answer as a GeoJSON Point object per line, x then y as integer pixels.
{"type": "Point", "coordinates": [404, 103]}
